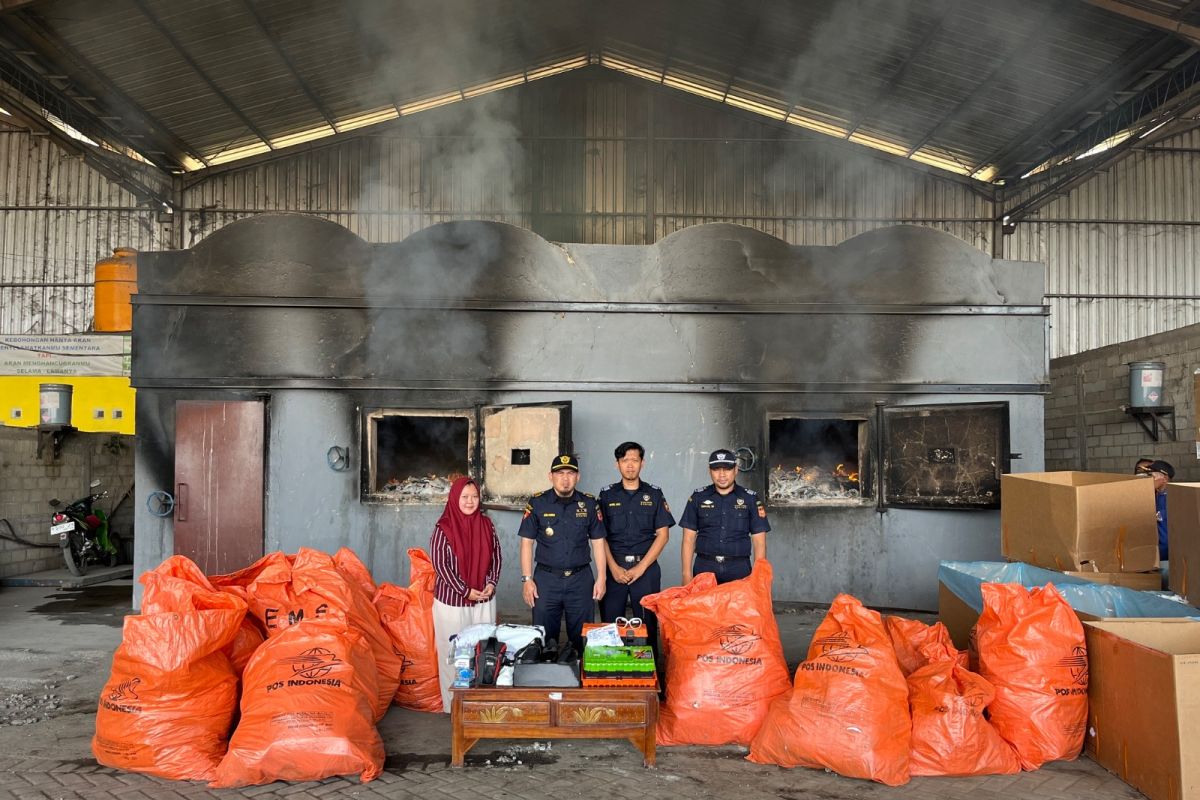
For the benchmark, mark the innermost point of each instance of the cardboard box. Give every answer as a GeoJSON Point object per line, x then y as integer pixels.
{"type": "Point", "coordinates": [1183, 540]}
{"type": "Point", "coordinates": [1080, 521]}
{"type": "Point", "coordinates": [1142, 581]}
{"type": "Point", "coordinates": [1144, 703]}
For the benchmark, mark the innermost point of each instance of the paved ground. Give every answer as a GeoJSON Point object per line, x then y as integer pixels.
{"type": "Point", "coordinates": [55, 648]}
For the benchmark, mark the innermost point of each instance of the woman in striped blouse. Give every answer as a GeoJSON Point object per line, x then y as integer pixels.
{"type": "Point", "coordinates": [466, 557]}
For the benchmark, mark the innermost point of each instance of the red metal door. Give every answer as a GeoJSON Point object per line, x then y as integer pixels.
{"type": "Point", "coordinates": [219, 483]}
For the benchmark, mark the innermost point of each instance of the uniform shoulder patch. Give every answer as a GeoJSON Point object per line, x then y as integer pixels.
{"type": "Point", "coordinates": [750, 492]}
{"type": "Point", "coordinates": [655, 488]}
{"type": "Point", "coordinates": [588, 496]}
{"type": "Point", "coordinates": [701, 489]}
{"type": "Point", "coordinates": [606, 488]}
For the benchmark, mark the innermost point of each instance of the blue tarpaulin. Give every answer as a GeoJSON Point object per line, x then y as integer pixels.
{"type": "Point", "coordinates": [1098, 599]}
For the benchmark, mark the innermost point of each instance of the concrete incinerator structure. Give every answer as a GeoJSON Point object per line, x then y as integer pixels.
{"type": "Point", "coordinates": [299, 386]}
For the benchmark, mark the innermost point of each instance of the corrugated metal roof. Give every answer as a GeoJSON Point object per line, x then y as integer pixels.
{"type": "Point", "coordinates": [961, 84]}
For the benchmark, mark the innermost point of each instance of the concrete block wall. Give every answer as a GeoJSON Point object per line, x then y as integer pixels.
{"type": "Point", "coordinates": [1086, 428]}
{"type": "Point", "coordinates": [27, 484]}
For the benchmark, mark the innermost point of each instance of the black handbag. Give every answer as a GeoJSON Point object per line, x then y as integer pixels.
{"type": "Point", "coordinates": [489, 657]}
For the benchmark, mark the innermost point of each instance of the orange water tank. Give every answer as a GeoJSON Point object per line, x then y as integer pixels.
{"type": "Point", "coordinates": [116, 280]}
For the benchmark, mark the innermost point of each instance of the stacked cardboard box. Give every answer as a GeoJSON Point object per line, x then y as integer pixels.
{"type": "Point", "coordinates": [1090, 524]}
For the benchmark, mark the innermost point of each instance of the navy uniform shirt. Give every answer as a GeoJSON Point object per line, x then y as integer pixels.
{"type": "Point", "coordinates": [562, 527]}
{"type": "Point", "coordinates": [724, 523]}
{"type": "Point", "coordinates": [632, 516]}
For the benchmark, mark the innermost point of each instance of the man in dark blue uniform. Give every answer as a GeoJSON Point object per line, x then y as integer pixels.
{"type": "Point", "coordinates": [723, 524]}
{"type": "Point", "coordinates": [569, 532]}
{"type": "Point", "coordinates": [638, 520]}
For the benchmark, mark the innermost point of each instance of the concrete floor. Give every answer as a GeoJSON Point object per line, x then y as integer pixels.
{"type": "Point", "coordinates": [56, 647]}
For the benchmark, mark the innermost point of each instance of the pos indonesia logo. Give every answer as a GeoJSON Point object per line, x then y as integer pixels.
{"type": "Point", "coordinates": [125, 690]}
{"type": "Point", "coordinates": [839, 648]}
{"type": "Point", "coordinates": [737, 639]}
{"type": "Point", "coordinates": [1077, 663]}
{"type": "Point", "coordinates": [316, 662]}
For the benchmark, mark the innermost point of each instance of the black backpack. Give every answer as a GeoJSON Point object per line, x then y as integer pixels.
{"type": "Point", "coordinates": [489, 657]}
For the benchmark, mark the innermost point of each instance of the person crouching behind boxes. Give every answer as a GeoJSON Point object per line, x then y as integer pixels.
{"type": "Point", "coordinates": [568, 529]}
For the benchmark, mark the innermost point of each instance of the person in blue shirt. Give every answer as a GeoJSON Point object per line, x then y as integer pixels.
{"type": "Point", "coordinates": [568, 530]}
{"type": "Point", "coordinates": [638, 522]}
{"type": "Point", "coordinates": [723, 525]}
{"type": "Point", "coordinates": [1161, 473]}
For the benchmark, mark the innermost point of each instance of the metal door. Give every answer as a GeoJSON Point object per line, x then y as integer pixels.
{"type": "Point", "coordinates": [219, 483]}
{"type": "Point", "coordinates": [943, 456]}
{"type": "Point", "coordinates": [516, 444]}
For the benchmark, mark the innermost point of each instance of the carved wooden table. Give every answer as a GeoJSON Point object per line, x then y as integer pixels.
{"type": "Point", "coordinates": [510, 712]}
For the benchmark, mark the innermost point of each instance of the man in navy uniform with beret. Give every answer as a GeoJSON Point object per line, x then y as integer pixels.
{"type": "Point", "coordinates": [569, 531]}
{"type": "Point", "coordinates": [638, 521]}
{"type": "Point", "coordinates": [723, 524]}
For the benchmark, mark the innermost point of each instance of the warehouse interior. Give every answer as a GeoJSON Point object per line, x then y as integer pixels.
{"type": "Point", "coordinates": [462, 237]}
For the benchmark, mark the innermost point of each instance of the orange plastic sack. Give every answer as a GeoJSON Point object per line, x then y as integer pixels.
{"type": "Point", "coordinates": [307, 710]}
{"type": "Point", "coordinates": [724, 658]}
{"type": "Point", "coordinates": [178, 584]}
{"type": "Point", "coordinates": [283, 590]}
{"type": "Point", "coordinates": [1032, 649]}
{"type": "Point", "coordinates": [169, 702]}
{"type": "Point", "coordinates": [910, 637]}
{"type": "Point", "coordinates": [352, 567]}
{"type": "Point", "coordinates": [249, 638]}
{"type": "Point", "coordinates": [950, 734]}
{"type": "Point", "coordinates": [848, 710]}
{"type": "Point", "coordinates": [407, 615]}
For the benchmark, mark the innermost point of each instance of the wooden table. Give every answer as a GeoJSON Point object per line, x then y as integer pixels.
{"type": "Point", "coordinates": [510, 712]}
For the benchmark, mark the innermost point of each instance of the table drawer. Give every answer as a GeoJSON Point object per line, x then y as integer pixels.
{"type": "Point", "coordinates": [582, 714]}
{"type": "Point", "coordinates": [506, 713]}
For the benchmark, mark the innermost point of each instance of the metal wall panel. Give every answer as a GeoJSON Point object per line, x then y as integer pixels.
{"type": "Point", "coordinates": [57, 217]}
{"type": "Point", "coordinates": [1121, 250]}
{"type": "Point", "coordinates": [575, 164]}
{"type": "Point", "coordinates": [598, 159]}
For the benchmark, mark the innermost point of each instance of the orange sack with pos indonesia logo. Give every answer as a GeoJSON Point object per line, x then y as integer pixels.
{"type": "Point", "coordinates": [848, 711]}
{"type": "Point", "coordinates": [283, 590]}
{"type": "Point", "coordinates": [724, 658]}
{"type": "Point", "coordinates": [170, 700]}
{"type": "Point", "coordinates": [307, 709]}
{"type": "Point", "coordinates": [407, 616]}
{"type": "Point", "coordinates": [1032, 649]}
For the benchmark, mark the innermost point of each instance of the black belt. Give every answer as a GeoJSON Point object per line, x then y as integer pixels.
{"type": "Point", "coordinates": [565, 573]}
{"type": "Point", "coordinates": [722, 559]}
{"type": "Point", "coordinates": [631, 559]}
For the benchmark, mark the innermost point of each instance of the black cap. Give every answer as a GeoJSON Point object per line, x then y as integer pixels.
{"type": "Point", "coordinates": [565, 461]}
{"type": "Point", "coordinates": [1164, 468]}
{"type": "Point", "coordinates": [722, 458]}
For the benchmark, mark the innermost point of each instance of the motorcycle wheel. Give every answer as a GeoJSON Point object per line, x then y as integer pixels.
{"type": "Point", "coordinates": [114, 558]}
{"type": "Point", "coordinates": [73, 555]}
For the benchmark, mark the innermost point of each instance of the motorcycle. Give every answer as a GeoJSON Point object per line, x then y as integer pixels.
{"type": "Point", "coordinates": [83, 533]}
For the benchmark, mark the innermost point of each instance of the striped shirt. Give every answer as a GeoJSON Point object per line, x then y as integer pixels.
{"type": "Point", "coordinates": [449, 587]}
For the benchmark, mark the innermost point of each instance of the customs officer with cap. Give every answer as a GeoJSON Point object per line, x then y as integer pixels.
{"type": "Point", "coordinates": [638, 520]}
{"type": "Point", "coordinates": [723, 524]}
{"type": "Point", "coordinates": [569, 532]}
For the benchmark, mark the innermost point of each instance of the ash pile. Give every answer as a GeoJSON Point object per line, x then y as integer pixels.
{"type": "Point", "coordinates": [419, 488]}
{"type": "Point", "coordinates": [813, 484]}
